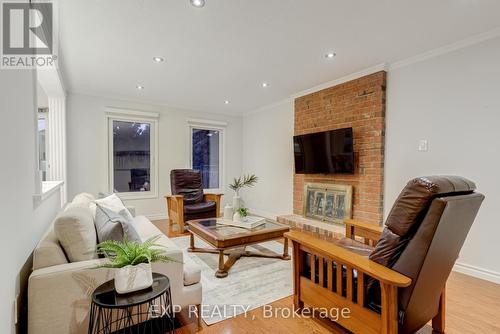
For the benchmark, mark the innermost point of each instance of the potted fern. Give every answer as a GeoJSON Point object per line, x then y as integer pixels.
{"type": "Point", "coordinates": [239, 183]}
{"type": "Point", "coordinates": [132, 262]}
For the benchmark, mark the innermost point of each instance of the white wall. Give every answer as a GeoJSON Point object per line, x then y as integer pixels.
{"type": "Point", "coordinates": [87, 147]}
{"type": "Point", "coordinates": [267, 152]}
{"type": "Point", "coordinates": [23, 223]}
{"type": "Point", "coordinates": [452, 101]}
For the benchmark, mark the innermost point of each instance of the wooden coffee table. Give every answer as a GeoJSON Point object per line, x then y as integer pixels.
{"type": "Point", "coordinates": [231, 241]}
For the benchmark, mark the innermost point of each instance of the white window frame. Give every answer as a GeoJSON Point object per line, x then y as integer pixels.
{"type": "Point", "coordinates": [203, 124]}
{"type": "Point", "coordinates": [43, 168]}
{"type": "Point", "coordinates": [115, 114]}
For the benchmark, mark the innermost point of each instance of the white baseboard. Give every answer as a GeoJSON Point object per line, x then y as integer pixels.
{"type": "Point", "coordinates": [156, 216]}
{"type": "Point", "coordinates": [477, 272]}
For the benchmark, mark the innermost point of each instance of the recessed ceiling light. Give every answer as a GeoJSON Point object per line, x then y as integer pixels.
{"type": "Point", "coordinates": [139, 87]}
{"type": "Point", "coordinates": [198, 3]}
{"type": "Point", "coordinates": [226, 102]}
{"type": "Point", "coordinates": [330, 55]}
{"type": "Point", "coordinates": [265, 84]}
{"type": "Point", "coordinates": [158, 59]}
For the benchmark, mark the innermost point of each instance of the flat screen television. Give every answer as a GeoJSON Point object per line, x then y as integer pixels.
{"type": "Point", "coordinates": [326, 152]}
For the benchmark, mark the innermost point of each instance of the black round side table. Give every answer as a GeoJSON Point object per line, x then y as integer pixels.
{"type": "Point", "coordinates": [146, 311]}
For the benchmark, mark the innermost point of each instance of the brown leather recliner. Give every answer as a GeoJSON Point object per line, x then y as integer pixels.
{"type": "Point", "coordinates": [424, 233]}
{"type": "Point", "coordinates": [411, 258]}
{"type": "Point", "coordinates": [188, 202]}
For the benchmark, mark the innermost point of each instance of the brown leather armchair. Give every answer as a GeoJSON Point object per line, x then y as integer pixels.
{"type": "Point", "coordinates": [392, 280]}
{"type": "Point", "coordinates": [188, 202]}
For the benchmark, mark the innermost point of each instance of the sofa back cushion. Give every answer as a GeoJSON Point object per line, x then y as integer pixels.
{"type": "Point", "coordinates": [80, 200]}
{"type": "Point", "coordinates": [75, 230]}
{"type": "Point", "coordinates": [48, 252]}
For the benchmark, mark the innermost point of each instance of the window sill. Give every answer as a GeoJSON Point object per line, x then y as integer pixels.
{"type": "Point", "coordinates": [48, 189]}
{"type": "Point", "coordinates": [131, 196]}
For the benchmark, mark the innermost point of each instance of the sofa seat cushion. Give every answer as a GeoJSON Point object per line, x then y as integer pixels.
{"type": "Point", "coordinates": [192, 274]}
{"type": "Point", "coordinates": [199, 207]}
{"type": "Point", "coordinates": [75, 230]}
{"type": "Point", "coordinates": [192, 271]}
{"type": "Point", "coordinates": [146, 229]}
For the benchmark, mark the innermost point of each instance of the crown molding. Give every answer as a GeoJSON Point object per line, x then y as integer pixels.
{"type": "Point", "coordinates": [349, 77]}
{"type": "Point", "coordinates": [476, 39]}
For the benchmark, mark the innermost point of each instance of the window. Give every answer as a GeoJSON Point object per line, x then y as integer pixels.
{"type": "Point", "coordinates": [42, 142]}
{"type": "Point", "coordinates": [131, 154]}
{"type": "Point", "coordinates": [206, 143]}
{"type": "Point", "coordinates": [50, 137]}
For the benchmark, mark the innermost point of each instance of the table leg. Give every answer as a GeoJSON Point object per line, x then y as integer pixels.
{"type": "Point", "coordinates": [191, 241]}
{"type": "Point", "coordinates": [222, 272]}
{"type": "Point", "coordinates": [285, 250]}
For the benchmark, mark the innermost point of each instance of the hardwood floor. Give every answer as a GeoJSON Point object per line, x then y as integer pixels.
{"type": "Point", "coordinates": [473, 306]}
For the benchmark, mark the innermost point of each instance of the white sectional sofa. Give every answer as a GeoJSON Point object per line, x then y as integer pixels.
{"type": "Point", "coordinates": [59, 291]}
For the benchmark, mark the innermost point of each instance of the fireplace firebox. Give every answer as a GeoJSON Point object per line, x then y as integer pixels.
{"type": "Point", "coordinates": [328, 202]}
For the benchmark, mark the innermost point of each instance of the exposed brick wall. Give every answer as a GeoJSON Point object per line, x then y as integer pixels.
{"type": "Point", "coordinates": [359, 104]}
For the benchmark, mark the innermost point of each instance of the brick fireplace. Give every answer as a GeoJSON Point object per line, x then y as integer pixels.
{"type": "Point", "coordinates": [359, 104]}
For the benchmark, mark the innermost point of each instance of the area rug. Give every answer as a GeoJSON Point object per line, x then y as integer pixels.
{"type": "Point", "coordinates": [252, 282]}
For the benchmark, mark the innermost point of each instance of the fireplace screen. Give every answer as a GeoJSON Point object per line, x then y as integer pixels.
{"type": "Point", "coordinates": [328, 202]}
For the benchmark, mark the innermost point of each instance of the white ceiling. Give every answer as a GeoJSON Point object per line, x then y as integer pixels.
{"type": "Point", "coordinates": [225, 50]}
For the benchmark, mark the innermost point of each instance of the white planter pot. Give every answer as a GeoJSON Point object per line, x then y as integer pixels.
{"type": "Point", "coordinates": [238, 218]}
{"type": "Point", "coordinates": [133, 278]}
{"type": "Point", "coordinates": [236, 202]}
{"type": "Point", "coordinates": [228, 212]}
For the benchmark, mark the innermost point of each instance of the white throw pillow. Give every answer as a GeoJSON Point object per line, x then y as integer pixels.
{"type": "Point", "coordinates": [115, 204]}
{"type": "Point", "coordinates": [76, 233]}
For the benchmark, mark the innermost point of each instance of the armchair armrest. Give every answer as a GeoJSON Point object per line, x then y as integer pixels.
{"type": "Point", "coordinates": [175, 197]}
{"type": "Point", "coordinates": [331, 266]}
{"type": "Point", "coordinates": [214, 198]}
{"type": "Point", "coordinates": [369, 232]}
{"type": "Point", "coordinates": [353, 260]}
{"type": "Point", "coordinates": [175, 210]}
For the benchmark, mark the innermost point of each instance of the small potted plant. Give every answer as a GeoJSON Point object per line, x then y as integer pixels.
{"type": "Point", "coordinates": [240, 215]}
{"type": "Point", "coordinates": [132, 262]}
{"type": "Point", "coordinates": [241, 182]}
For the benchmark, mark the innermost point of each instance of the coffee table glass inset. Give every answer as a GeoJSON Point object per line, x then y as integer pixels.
{"type": "Point", "coordinates": [232, 240]}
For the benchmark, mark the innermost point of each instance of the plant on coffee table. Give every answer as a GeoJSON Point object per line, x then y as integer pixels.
{"type": "Point", "coordinates": [241, 182]}
{"type": "Point", "coordinates": [243, 212]}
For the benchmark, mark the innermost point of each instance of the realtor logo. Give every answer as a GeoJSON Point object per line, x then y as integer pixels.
{"type": "Point", "coordinates": [27, 35]}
